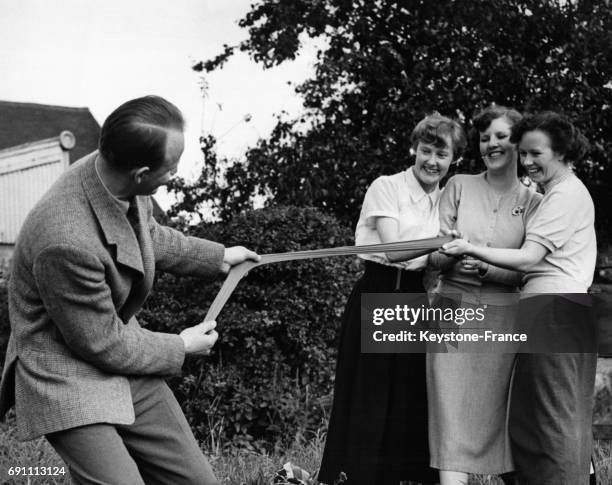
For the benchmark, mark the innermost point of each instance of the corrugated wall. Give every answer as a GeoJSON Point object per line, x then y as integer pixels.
{"type": "Point", "coordinates": [26, 173]}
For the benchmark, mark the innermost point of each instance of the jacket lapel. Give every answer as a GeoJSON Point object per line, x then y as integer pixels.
{"type": "Point", "coordinates": [115, 226]}
{"type": "Point", "coordinates": [134, 246]}
{"type": "Point", "coordinates": [142, 287]}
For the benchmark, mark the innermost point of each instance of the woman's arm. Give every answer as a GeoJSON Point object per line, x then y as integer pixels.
{"type": "Point", "coordinates": [491, 273]}
{"type": "Point", "coordinates": [521, 259]}
{"type": "Point", "coordinates": [449, 203]}
{"type": "Point", "coordinates": [388, 230]}
{"type": "Point", "coordinates": [440, 261]}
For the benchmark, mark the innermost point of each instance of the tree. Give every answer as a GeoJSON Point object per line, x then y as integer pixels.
{"type": "Point", "coordinates": [384, 64]}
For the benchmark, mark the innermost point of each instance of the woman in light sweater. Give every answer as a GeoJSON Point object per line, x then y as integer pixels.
{"type": "Point", "coordinates": [490, 208]}
{"type": "Point", "coordinates": [552, 393]}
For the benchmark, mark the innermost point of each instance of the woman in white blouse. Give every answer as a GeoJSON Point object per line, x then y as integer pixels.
{"type": "Point", "coordinates": [552, 393]}
{"type": "Point", "coordinates": [378, 426]}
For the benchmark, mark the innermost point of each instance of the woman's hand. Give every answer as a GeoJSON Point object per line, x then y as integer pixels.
{"type": "Point", "coordinates": [473, 264]}
{"type": "Point", "coordinates": [457, 248]}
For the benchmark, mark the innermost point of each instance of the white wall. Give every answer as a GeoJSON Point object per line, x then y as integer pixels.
{"type": "Point", "coordinates": [26, 172]}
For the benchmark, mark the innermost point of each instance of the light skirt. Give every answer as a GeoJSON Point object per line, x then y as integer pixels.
{"type": "Point", "coordinates": [468, 398]}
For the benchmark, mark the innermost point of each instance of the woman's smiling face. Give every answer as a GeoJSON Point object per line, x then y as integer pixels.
{"type": "Point", "coordinates": [495, 148]}
{"type": "Point", "coordinates": [542, 163]}
{"type": "Point", "coordinates": [432, 163]}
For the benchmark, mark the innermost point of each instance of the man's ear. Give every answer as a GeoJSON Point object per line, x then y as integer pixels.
{"type": "Point", "coordinates": [139, 174]}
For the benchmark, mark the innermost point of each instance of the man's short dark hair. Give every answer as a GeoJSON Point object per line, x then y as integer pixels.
{"type": "Point", "coordinates": [135, 134]}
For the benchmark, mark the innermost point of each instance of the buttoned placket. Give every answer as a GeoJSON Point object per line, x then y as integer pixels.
{"type": "Point", "coordinates": [493, 225]}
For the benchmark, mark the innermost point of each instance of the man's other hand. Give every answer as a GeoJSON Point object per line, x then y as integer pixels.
{"type": "Point", "coordinates": [201, 338]}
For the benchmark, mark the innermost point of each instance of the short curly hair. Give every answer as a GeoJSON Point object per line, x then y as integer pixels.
{"type": "Point", "coordinates": [484, 118]}
{"type": "Point", "coordinates": [435, 128]}
{"type": "Point", "coordinates": [565, 138]}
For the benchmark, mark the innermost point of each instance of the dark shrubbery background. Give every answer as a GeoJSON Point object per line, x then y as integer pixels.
{"type": "Point", "coordinates": [271, 372]}
{"type": "Point", "coordinates": [5, 326]}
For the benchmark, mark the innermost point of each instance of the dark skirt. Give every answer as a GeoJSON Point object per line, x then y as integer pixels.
{"type": "Point", "coordinates": [377, 431]}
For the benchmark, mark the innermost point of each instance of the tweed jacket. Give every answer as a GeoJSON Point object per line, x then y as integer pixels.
{"type": "Point", "coordinates": [79, 273]}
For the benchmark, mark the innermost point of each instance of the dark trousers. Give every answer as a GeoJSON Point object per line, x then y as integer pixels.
{"type": "Point", "coordinates": [158, 448]}
{"type": "Point", "coordinates": [552, 396]}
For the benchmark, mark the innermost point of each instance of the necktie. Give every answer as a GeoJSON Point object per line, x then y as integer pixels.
{"type": "Point", "coordinates": [141, 284]}
{"type": "Point", "coordinates": [132, 215]}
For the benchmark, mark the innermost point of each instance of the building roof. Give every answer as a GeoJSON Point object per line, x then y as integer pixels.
{"type": "Point", "coordinates": [29, 122]}
{"type": "Point", "coordinates": [26, 122]}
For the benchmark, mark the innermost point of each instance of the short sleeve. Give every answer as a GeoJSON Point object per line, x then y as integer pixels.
{"type": "Point", "coordinates": [381, 200]}
{"type": "Point", "coordinates": [532, 205]}
{"type": "Point", "coordinates": [555, 221]}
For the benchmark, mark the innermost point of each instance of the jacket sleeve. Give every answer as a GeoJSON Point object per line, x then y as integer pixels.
{"type": "Point", "coordinates": [184, 255]}
{"type": "Point", "coordinates": [75, 294]}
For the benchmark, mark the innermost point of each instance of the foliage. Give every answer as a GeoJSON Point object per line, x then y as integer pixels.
{"type": "Point", "coordinates": [196, 198]}
{"type": "Point", "coordinates": [5, 327]}
{"type": "Point", "coordinates": [273, 364]}
{"type": "Point", "coordinates": [34, 453]}
{"type": "Point", "coordinates": [384, 64]}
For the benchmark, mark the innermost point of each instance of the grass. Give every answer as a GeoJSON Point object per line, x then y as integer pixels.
{"type": "Point", "coordinates": [39, 453]}
{"type": "Point", "coordinates": [235, 468]}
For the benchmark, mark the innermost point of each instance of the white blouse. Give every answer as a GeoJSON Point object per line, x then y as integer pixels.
{"type": "Point", "coordinates": [400, 197]}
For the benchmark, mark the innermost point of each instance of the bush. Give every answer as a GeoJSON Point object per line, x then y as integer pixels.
{"type": "Point", "coordinates": [5, 327]}
{"type": "Point", "coordinates": [273, 365]}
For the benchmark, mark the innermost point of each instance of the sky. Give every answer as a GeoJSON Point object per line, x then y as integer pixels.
{"type": "Point", "coordinates": [100, 53]}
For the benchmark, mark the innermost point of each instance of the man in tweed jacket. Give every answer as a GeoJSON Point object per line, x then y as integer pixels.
{"type": "Point", "coordinates": [79, 368]}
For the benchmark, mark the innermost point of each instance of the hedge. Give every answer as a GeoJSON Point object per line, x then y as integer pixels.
{"type": "Point", "coordinates": [271, 373]}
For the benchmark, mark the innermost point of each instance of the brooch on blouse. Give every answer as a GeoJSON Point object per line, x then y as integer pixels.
{"type": "Point", "coordinates": [518, 210]}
